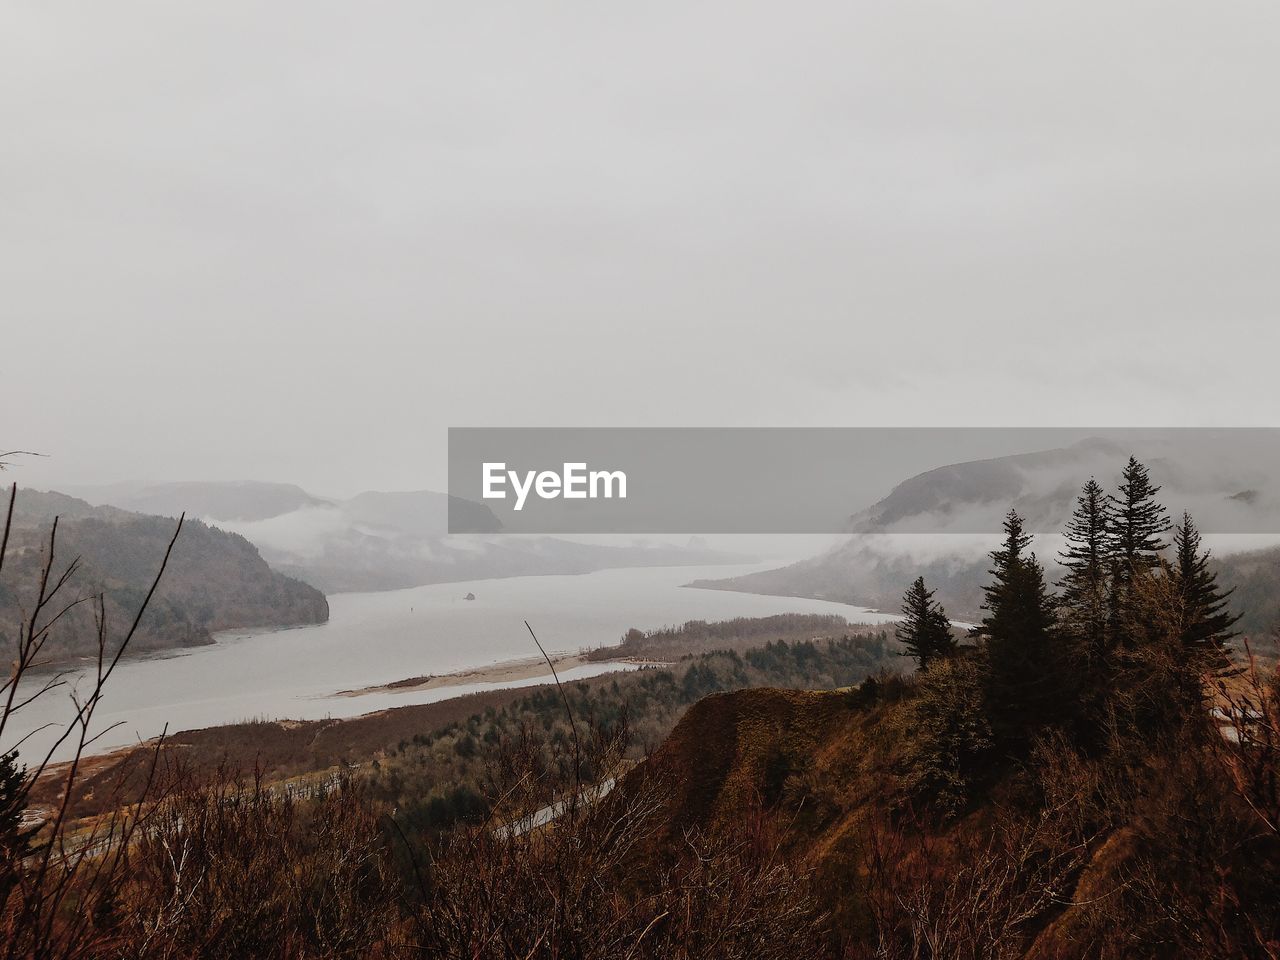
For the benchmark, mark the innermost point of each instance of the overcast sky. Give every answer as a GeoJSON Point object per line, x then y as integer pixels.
{"type": "Point", "coordinates": [297, 241]}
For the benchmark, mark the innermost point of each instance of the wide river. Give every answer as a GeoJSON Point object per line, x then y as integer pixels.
{"type": "Point", "coordinates": [377, 638]}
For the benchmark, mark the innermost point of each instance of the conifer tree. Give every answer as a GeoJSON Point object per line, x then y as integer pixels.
{"type": "Point", "coordinates": [1026, 614]}
{"type": "Point", "coordinates": [925, 630]}
{"type": "Point", "coordinates": [1206, 621]}
{"type": "Point", "coordinates": [1005, 562]}
{"type": "Point", "coordinates": [1084, 587]}
{"type": "Point", "coordinates": [1030, 686]}
{"type": "Point", "coordinates": [1137, 521]}
{"type": "Point", "coordinates": [15, 839]}
{"type": "Point", "coordinates": [1026, 676]}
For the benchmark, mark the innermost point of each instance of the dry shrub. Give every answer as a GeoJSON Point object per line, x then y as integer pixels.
{"type": "Point", "coordinates": [946, 735]}
{"type": "Point", "coordinates": [979, 890]}
{"type": "Point", "coordinates": [235, 869]}
{"type": "Point", "coordinates": [588, 885]}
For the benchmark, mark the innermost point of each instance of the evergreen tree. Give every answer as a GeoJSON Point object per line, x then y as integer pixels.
{"type": "Point", "coordinates": [15, 839]}
{"type": "Point", "coordinates": [1030, 686]}
{"type": "Point", "coordinates": [1206, 622]}
{"type": "Point", "coordinates": [1084, 587]}
{"type": "Point", "coordinates": [1005, 563]}
{"type": "Point", "coordinates": [1025, 659]}
{"type": "Point", "coordinates": [925, 630]}
{"type": "Point", "coordinates": [1137, 521]}
{"type": "Point", "coordinates": [1027, 613]}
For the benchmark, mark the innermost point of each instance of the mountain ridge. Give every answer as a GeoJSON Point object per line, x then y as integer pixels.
{"type": "Point", "coordinates": [389, 540]}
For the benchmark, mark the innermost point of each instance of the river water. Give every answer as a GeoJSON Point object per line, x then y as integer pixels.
{"type": "Point", "coordinates": [377, 638]}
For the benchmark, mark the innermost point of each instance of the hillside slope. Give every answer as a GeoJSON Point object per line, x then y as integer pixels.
{"type": "Point", "coordinates": [1057, 855]}
{"type": "Point", "coordinates": [1255, 577]}
{"type": "Point", "coordinates": [215, 580]}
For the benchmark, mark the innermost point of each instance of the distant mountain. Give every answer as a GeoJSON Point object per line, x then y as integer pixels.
{"type": "Point", "coordinates": [418, 513]}
{"type": "Point", "coordinates": [874, 571]}
{"type": "Point", "coordinates": [1216, 480]}
{"type": "Point", "coordinates": [242, 500]}
{"type": "Point", "coordinates": [215, 580]}
{"type": "Point", "coordinates": [380, 540]}
{"type": "Point", "coordinates": [976, 494]}
{"type": "Point", "coordinates": [910, 532]}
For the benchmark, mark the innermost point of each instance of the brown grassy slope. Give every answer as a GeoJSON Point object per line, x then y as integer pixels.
{"type": "Point", "coordinates": [734, 749]}
{"type": "Point", "coordinates": [817, 760]}
{"type": "Point", "coordinates": [823, 766]}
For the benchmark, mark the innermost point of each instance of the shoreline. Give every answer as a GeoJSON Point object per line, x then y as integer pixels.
{"type": "Point", "coordinates": [504, 675]}
{"type": "Point", "coordinates": [504, 671]}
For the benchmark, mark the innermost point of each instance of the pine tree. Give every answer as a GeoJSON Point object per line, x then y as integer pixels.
{"type": "Point", "coordinates": [1084, 587]}
{"type": "Point", "coordinates": [1137, 521]}
{"type": "Point", "coordinates": [1136, 524]}
{"type": "Point", "coordinates": [1026, 675]}
{"type": "Point", "coordinates": [1026, 616]}
{"type": "Point", "coordinates": [1030, 686]}
{"type": "Point", "coordinates": [1206, 622]}
{"type": "Point", "coordinates": [1005, 563]}
{"type": "Point", "coordinates": [925, 630]}
{"type": "Point", "coordinates": [15, 839]}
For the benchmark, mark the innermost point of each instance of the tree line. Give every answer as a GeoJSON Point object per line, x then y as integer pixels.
{"type": "Point", "coordinates": [1137, 622]}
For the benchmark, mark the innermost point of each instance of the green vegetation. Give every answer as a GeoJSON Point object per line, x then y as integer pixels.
{"type": "Point", "coordinates": [740, 633]}
{"type": "Point", "coordinates": [436, 777]}
{"type": "Point", "coordinates": [1206, 623]}
{"type": "Point", "coordinates": [1025, 653]}
{"type": "Point", "coordinates": [1086, 561]}
{"type": "Point", "coordinates": [925, 631]}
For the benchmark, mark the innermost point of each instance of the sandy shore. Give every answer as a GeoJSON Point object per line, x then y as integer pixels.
{"type": "Point", "coordinates": [504, 672]}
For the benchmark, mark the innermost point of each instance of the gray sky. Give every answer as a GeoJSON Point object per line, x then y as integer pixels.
{"type": "Point", "coordinates": [296, 241]}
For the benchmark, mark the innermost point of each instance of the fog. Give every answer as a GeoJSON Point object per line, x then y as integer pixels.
{"type": "Point", "coordinates": [297, 241]}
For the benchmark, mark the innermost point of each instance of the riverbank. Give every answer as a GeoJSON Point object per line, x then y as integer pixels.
{"type": "Point", "coordinates": [378, 640]}
{"type": "Point", "coordinates": [430, 740]}
{"type": "Point", "coordinates": [505, 671]}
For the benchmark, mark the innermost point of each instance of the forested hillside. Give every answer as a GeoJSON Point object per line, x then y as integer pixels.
{"type": "Point", "coordinates": [214, 581]}
{"type": "Point", "coordinates": [1255, 578]}
{"type": "Point", "coordinates": [739, 634]}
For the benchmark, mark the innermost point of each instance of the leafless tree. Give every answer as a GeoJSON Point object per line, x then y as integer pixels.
{"type": "Point", "coordinates": [56, 876]}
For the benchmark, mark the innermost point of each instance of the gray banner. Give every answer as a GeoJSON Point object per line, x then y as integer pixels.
{"type": "Point", "coordinates": [831, 480]}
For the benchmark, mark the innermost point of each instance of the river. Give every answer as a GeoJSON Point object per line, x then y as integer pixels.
{"type": "Point", "coordinates": [377, 638]}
